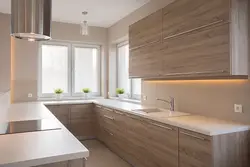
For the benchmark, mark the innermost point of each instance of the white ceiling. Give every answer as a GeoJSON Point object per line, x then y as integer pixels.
{"type": "Point", "coordinates": [102, 13]}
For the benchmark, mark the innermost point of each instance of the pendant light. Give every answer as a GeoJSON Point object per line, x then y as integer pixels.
{"type": "Point", "coordinates": [31, 19]}
{"type": "Point", "coordinates": [84, 25]}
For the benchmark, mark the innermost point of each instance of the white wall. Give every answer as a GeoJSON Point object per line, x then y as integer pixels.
{"type": "Point", "coordinates": [4, 106]}
{"type": "Point", "coordinates": [24, 78]}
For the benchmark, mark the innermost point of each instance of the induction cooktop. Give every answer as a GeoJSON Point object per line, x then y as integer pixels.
{"type": "Point", "coordinates": [28, 126]}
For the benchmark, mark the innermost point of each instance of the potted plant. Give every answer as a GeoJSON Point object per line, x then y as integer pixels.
{"type": "Point", "coordinates": [86, 92]}
{"type": "Point", "coordinates": [120, 92]}
{"type": "Point", "coordinates": [58, 93]}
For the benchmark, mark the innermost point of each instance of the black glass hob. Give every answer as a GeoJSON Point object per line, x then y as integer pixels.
{"type": "Point", "coordinates": [28, 126]}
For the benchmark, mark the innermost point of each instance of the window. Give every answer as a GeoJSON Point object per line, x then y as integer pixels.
{"type": "Point", "coordinates": [70, 67]}
{"type": "Point", "coordinates": [132, 87]}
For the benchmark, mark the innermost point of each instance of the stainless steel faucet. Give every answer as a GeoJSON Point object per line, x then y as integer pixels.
{"type": "Point", "coordinates": [171, 102]}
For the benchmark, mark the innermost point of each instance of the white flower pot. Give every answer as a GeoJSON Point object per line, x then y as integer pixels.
{"type": "Point", "coordinates": [121, 96]}
{"type": "Point", "coordinates": [86, 96]}
{"type": "Point", "coordinates": [58, 96]}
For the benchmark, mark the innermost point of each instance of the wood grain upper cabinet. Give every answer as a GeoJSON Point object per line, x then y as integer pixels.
{"type": "Point", "coordinates": [202, 52]}
{"type": "Point", "coordinates": [182, 16]}
{"type": "Point", "coordinates": [146, 31]}
{"type": "Point", "coordinates": [146, 61]}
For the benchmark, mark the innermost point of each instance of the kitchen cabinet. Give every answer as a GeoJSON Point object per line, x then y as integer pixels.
{"type": "Point", "coordinates": [228, 150]}
{"type": "Point", "coordinates": [71, 163]}
{"type": "Point", "coordinates": [200, 40]}
{"type": "Point", "coordinates": [182, 16]}
{"type": "Point", "coordinates": [82, 121]}
{"type": "Point", "coordinates": [61, 112]}
{"type": "Point", "coordinates": [202, 52]}
{"type": "Point", "coordinates": [195, 150]}
{"type": "Point", "coordinates": [141, 143]}
{"type": "Point", "coordinates": [79, 119]}
{"type": "Point", "coordinates": [146, 61]}
{"type": "Point", "coordinates": [146, 31]}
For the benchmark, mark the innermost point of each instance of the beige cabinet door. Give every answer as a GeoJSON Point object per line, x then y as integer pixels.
{"type": "Point", "coordinates": [203, 52]}
{"type": "Point", "coordinates": [162, 142]}
{"type": "Point", "coordinates": [146, 31]}
{"type": "Point", "coordinates": [82, 121]}
{"type": "Point", "coordinates": [146, 61]}
{"type": "Point", "coordinates": [182, 16]}
{"type": "Point", "coordinates": [195, 150]}
{"type": "Point", "coordinates": [61, 112]}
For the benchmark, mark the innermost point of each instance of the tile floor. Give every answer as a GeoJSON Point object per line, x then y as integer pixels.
{"type": "Point", "coordinates": [101, 156]}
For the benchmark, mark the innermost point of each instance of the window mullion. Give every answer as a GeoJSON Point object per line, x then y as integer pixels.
{"type": "Point", "coordinates": [70, 65]}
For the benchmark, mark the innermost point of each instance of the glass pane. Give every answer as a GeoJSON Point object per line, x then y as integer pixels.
{"type": "Point", "coordinates": [86, 69]}
{"type": "Point", "coordinates": [123, 68]}
{"type": "Point", "coordinates": [54, 68]}
{"type": "Point", "coordinates": [136, 86]}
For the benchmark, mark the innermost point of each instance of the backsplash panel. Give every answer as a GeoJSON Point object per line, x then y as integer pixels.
{"type": "Point", "coordinates": [213, 98]}
{"type": "Point", "coordinates": [4, 105]}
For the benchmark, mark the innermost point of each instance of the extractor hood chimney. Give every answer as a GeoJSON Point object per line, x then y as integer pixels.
{"type": "Point", "coordinates": [31, 19]}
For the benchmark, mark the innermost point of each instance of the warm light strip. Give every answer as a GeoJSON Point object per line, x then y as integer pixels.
{"type": "Point", "coordinates": [200, 81]}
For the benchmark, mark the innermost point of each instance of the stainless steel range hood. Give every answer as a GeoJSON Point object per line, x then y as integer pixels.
{"type": "Point", "coordinates": [31, 19]}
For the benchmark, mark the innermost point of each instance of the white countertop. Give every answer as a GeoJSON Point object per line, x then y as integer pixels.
{"type": "Point", "coordinates": [37, 148]}
{"type": "Point", "coordinates": [200, 124]}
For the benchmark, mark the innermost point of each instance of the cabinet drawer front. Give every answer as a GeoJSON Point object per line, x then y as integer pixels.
{"type": "Point", "coordinates": [146, 30]}
{"type": "Point", "coordinates": [185, 15]}
{"type": "Point", "coordinates": [81, 111]}
{"type": "Point", "coordinates": [83, 128]}
{"type": "Point", "coordinates": [162, 140]}
{"type": "Point", "coordinates": [195, 150]}
{"type": "Point", "coordinates": [201, 51]}
{"type": "Point", "coordinates": [146, 61]}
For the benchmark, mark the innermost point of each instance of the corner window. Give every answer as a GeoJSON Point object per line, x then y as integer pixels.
{"type": "Point", "coordinates": [132, 87]}
{"type": "Point", "coordinates": [70, 67]}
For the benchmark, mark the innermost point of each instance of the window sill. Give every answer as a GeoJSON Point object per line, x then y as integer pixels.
{"type": "Point", "coordinates": [68, 98]}
{"type": "Point", "coordinates": [126, 100]}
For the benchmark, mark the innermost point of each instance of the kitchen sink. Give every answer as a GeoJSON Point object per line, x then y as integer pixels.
{"type": "Point", "coordinates": [160, 113]}
{"type": "Point", "coordinates": [149, 110]}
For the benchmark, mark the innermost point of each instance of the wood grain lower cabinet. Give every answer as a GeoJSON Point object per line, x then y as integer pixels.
{"type": "Point", "coordinates": [61, 112]}
{"type": "Point", "coordinates": [82, 121]}
{"type": "Point", "coordinates": [141, 143]}
{"type": "Point", "coordinates": [71, 163]}
{"type": "Point", "coordinates": [79, 119]}
{"type": "Point", "coordinates": [195, 150]}
{"type": "Point", "coordinates": [228, 150]}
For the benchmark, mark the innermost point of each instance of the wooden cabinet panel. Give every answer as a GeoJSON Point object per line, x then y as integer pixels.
{"type": "Point", "coordinates": [195, 150]}
{"type": "Point", "coordinates": [82, 121]}
{"type": "Point", "coordinates": [146, 61]}
{"type": "Point", "coordinates": [162, 141]}
{"type": "Point", "coordinates": [81, 111]}
{"type": "Point", "coordinates": [146, 30]}
{"type": "Point", "coordinates": [71, 163]}
{"type": "Point", "coordinates": [61, 112]}
{"type": "Point", "coordinates": [186, 15]}
{"type": "Point", "coordinates": [200, 52]}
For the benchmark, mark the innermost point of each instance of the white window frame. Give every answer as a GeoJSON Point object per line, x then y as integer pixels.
{"type": "Point", "coordinates": [98, 93]}
{"type": "Point", "coordinates": [130, 94]}
{"type": "Point", "coordinates": [71, 71]}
